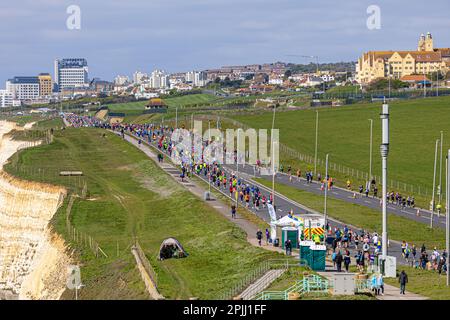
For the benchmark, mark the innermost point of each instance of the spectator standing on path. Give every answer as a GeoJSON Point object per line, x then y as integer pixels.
{"type": "Point", "coordinates": [403, 280]}
{"type": "Point", "coordinates": [380, 284]}
{"type": "Point", "coordinates": [233, 211]}
{"type": "Point", "coordinates": [339, 261]}
{"type": "Point", "coordinates": [347, 260]}
{"type": "Point", "coordinates": [288, 246]}
{"type": "Point", "coordinates": [259, 236]}
{"type": "Point", "coordinates": [267, 236]}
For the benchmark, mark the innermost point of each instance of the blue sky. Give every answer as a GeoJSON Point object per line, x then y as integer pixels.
{"type": "Point", "coordinates": [119, 37]}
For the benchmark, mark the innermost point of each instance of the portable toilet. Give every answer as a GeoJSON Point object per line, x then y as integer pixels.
{"type": "Point", "coordinates": [305, 252]}
{"type": "Point", "coordinates": [289, 233]}
{"type": "Point", "coordinates": [318, 255]}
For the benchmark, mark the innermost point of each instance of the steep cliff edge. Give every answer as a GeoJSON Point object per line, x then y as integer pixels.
{"type": "Point", "coordinates": [33, 259]}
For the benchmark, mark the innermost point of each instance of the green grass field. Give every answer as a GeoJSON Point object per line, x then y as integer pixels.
{"type": "Point", "coordinates": [128, 195]}
{"type": "Point", "coordinates": [399, 228]}
{"type": "Point", "coordinates": [344, 134]}
{"type": "Point", "coordinates": [424, 282]}
{"type": "Point", "coordinates": [181, 101]}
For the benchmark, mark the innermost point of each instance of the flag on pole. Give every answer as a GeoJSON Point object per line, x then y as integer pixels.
{"type": "Point", "coordinates": [272, 213]}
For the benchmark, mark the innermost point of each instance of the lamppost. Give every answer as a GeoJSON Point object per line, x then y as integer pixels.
{"type": "Point", "coordinates": [273, 157]}
{"type": "Point", "coordinates": [447, 217]}
{"type": "Point", "coordinates": [209, 141]}
{"type": "Point", "coordinates": [317, 136]}
{"type": "Point", "coordinates": [326, 193]}
{"type": "Point", "coordinates": [370, 151]}
{"type": "Point", "coordinates": [434, 184]}
{"type": "Point", "coordinates": [384, 154]}
{"type": "Point", "coordinates": [440, 173]}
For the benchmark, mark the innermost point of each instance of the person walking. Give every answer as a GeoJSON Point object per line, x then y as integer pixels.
{"type": "Point", "coordinates": [267, 236]}
{"type": "Point", "coordinates": [339, 261]}
{"type": "Point", "coordinates": [233, 211]}
{"type": "Point", "coordinates": [288, 247]}
{"type": "Point", "coordinates": [380, 284]}
{"type": "Point", "coordinates": [403, 280]}
{"type": "Point", "coordinates": [259, 236]}
{"type": "Point", "coordinates": [347, 260]}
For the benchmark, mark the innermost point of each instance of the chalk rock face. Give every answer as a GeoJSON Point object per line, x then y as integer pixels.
{"type": "Point", "coordinates": [33, 261]}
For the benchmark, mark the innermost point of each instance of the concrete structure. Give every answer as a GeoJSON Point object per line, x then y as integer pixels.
{"type": "Point", "coordinates": [382, 64]}
{"type": "Point", "coordinates": [71, 73]}
{"type": "Point", "coordinates": [45, 85]}
{"type": "Point", "coordinates": [139, 77]}
{"type": "Point", "coordinates": [196, 78]}
{"type": "Point", "coordinates": [121, 80]}
{"type": "Point", "coordinates": [159, 79]}
{"type": "Point", "coordinates": [6, 98]}
{"type": "Point", "coordinates": [23, 88]}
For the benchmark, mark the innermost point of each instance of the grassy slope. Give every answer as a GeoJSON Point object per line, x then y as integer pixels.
{"type": "Point", "coordinates": [359, 216]}
{"type": "Point", "coordinates": [424, 282]}
{"type": "Point", "coordinates": [130, 196]}
{"type": "Point", "coordinates": [344, 133]}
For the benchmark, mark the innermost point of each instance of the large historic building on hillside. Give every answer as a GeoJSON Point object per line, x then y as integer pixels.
{"type": "Point", "coordinates": [382, 64]}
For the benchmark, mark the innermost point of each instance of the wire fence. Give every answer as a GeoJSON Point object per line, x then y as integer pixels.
{"type": "Point", "coordinates": [79, 237]}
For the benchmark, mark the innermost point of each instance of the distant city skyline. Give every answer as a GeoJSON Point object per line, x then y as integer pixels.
{"type": "Point", "coordinates": [118, 37]}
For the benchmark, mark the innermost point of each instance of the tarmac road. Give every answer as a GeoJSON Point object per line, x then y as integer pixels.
{"type": "Point", "coordinates": [284, 205]}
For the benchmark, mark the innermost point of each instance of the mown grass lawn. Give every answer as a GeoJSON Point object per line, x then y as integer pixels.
{"type": "Point", "coordinates": [344, 133]}
{"type": "Point", "coordinates": [359, 216]}
{"type": "Point", "coordinates": [129, 196]}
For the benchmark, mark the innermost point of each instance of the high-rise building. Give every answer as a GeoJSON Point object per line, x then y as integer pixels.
{"type": "Point", "coordinates": [159, 79]}
{"type": "Point", "coordinates": [197, 78]}
{"type": "Point", "coordinates": [6, 98]}
{"type": "Point", "coordinates": [121, 80]}
{"type": "Point", "coordinates": [71, 73]}
{"type": "Point", "coordinates": [23, 88]}
{"type": "Point", "coordinates": [139, 77]}
{"type": "Point", "coordinates": [45, 84]}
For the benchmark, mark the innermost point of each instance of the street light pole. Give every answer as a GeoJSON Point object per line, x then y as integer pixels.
{"type": "Point", "coordinates": [176, 117]}
{"type": "Point", "coordinates": [447, 217]}
{"type": "Point", "coordinates": [326, 192]}
{"type": "Point", "coordinates": [209, 141]}
{"type": "Point", "coordinates": [384, 154]}
{"type": "Point", "coordinates": [317, 135]}
{"type": "Point", "coordinates": [440, 172]}
{"type": "Point", "coordinates": [434, 184]}
{"type": "Point", "coordinates": [273, 157]}
{"type": "Point", "coordinates": [370, 152]}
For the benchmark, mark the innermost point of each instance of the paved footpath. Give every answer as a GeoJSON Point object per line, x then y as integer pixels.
{"type": "Point", "coordinates": [390, 292]}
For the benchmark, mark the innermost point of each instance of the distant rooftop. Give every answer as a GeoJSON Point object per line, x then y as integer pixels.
{"type": "Point", "coordinates": [23, 80]}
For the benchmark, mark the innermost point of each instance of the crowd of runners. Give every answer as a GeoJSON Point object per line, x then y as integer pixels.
{"type": "Point", "coordinates": [346, 245]}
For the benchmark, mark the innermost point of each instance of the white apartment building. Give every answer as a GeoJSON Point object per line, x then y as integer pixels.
{"type": "Point", "coordinates": [6, 98]}
{"type": "Point", "coordinates": [23, 88]}
{"type": "Point", "coordinates": [159, 79]}
{"type": "Point", "coordinates": [121, 80]}
{"type": "Point", "coordinates": [139, 77]}
{"type": "Point", "coordinates": [196, 78]}
{"type": "Point", "coordinates": [71, 73]}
